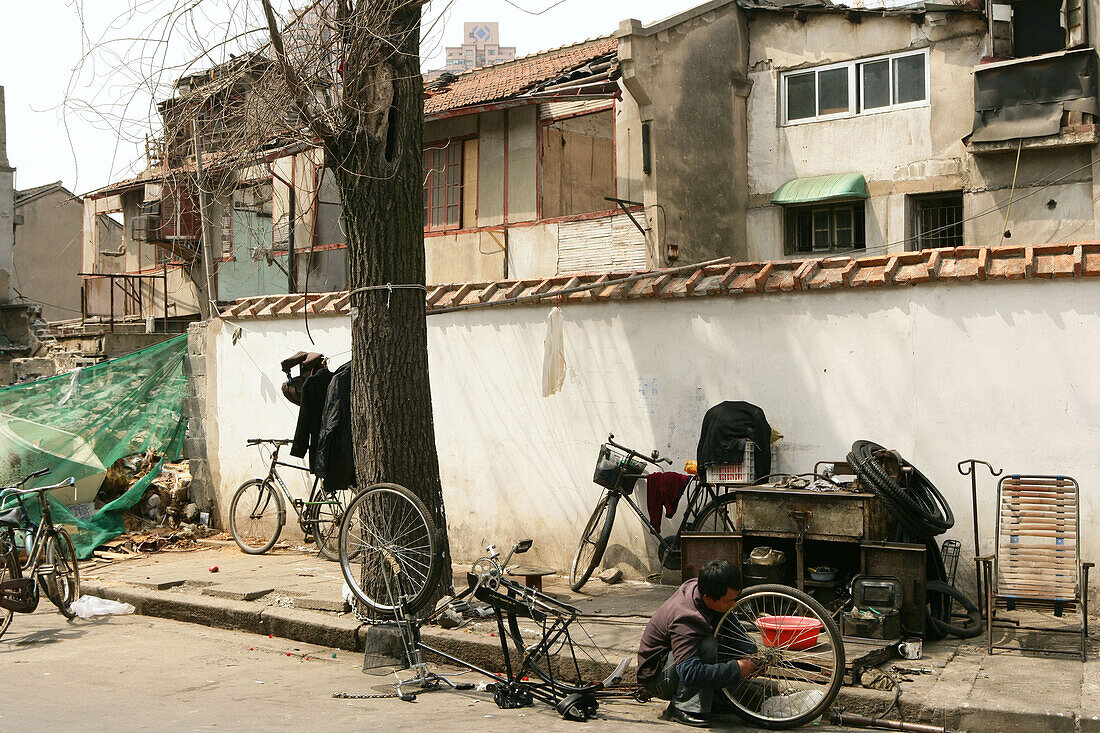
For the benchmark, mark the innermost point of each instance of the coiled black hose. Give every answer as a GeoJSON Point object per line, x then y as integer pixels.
{"type": "Point", "coordinates": [921, 509]}
{"type": "Point", "coordinates": [922, 513]}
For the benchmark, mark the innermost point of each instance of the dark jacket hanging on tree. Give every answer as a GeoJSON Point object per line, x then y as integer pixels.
{"type": "Point", "coordinates": [307, 434]}
{"type": "Point", "coordinates": [336, 457]}
{"type": "Point", "coordinates": [725, 428]}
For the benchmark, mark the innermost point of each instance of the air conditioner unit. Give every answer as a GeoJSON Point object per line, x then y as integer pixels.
{"type": "Point", "coordinates": [146, 226]}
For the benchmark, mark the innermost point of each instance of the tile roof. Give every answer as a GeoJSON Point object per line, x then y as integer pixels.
{"type": "Point", "coordinates": [961, 264]}
{"type": "Point", "coordinates": [508, 78]}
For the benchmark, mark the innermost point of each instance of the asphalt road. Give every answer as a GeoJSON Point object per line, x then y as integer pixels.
{"type": "Point", "coordinates": [127, 673]}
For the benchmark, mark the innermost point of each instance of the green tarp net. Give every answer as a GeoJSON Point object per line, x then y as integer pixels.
{"type": "Point", "coordinates": [78, 424]}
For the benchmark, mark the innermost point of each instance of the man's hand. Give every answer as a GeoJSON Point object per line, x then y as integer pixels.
{"type": "Point", "coordinates": [748, 667]}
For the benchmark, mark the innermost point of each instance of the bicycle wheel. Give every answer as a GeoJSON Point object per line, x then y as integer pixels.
{"type": "Point", "coordinates": [718, 516]}
{"type": "Point", "coordinates": [593, 541]}
{"type": "Point", "coordinates": [389, 549]}
{"type": "Point", "coordinates": [256, 516]}
{"type": "Point", "coordinates": [63, 584]}
{"type": "Point", "coordinates": [798, 651]}
{"type": "Point", "coordinates": [9, 568]}
{"type": "Point", "coordinates": [326, 511]}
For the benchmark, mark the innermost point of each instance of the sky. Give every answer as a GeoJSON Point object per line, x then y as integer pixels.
{"type": "Point", "coordinates": [41, 45]}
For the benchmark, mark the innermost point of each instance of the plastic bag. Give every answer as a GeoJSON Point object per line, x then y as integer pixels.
{"type": "Point", "coordinates": [553, 359]}
{"type": "Point", "coordinates": [89, 606]}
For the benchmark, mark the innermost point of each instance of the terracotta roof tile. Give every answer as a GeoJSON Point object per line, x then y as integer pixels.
{"type": "Point", "coordinates": [508, 78]}
{"type": "Point", "coordinates": [1077, 259]}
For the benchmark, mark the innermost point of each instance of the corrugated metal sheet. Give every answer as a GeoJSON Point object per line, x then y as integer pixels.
{"type": "Point", "coordinates": [552, 110]}
{"type": "Point", "coordinates": [600, 245]}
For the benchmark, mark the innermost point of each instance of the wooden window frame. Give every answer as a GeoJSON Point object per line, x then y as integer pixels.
{"type": "Point", "coordinates": [822, 239]}
{"type": "Point", "coordinates": [443, 159]}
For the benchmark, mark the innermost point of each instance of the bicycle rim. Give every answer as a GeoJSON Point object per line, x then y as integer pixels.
{"type": "Point", "coordinates": [797, 648]}
{"type": "Point", "coordinates": [717, 516]}
{"type": "Point", "coordinates": [327, 514]}
{"type": "Point", "coordinates": [593, 541]}
{"type": "Point", "coordinates": [63, 584]}
{"type": "Point", "coordinates": [9, 568]}
{"type": "Point", "coordinates": [256, 516]}
{"type": "Point", "coordinates": [389, 549]}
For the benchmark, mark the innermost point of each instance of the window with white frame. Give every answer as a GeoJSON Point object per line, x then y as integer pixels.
{"type": "Point", "coordinates": [856, 87]}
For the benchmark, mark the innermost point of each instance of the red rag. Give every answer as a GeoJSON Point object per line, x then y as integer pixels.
{"type": "Point", "coordinates": [663, 491]}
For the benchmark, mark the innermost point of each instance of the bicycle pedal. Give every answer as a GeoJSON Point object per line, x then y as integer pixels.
{"type": "Point", "coordinates": [464, 685]}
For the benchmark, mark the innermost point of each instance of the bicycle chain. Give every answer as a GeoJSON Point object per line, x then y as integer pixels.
{"type": "Point", "coordinates": [355, 696]}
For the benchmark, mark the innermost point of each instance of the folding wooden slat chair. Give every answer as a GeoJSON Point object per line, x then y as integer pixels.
{"type": "Point", "coordinates": [1037, 562]}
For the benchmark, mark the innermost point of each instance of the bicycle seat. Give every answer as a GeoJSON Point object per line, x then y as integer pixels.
{"type": "Point", "coordinates": [13, 518]}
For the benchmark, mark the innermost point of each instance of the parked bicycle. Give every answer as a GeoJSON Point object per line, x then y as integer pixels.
{"type": "Point", "coordinates": [50, 565]}
{"type": "Point", "coordinates": [258, 510]}
{"type": "Point", "coordinates": [618, 469]}
{"type": "Point", "coordinates": [388, 532]}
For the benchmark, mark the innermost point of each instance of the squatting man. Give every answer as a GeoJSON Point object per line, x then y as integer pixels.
{"type": "Point", "coordinates": [678, 655]}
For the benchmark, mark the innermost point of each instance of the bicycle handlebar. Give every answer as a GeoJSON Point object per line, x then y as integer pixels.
{"type": "Point", "coordinates": [12, 491]}
{"type": "Point", "coordinates": [656, 461]}
{"type": "Point", "coordinates": [273, 441]}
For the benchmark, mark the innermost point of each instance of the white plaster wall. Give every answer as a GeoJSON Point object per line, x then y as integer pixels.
{"type": "Point", "coordinates": [998, 371]}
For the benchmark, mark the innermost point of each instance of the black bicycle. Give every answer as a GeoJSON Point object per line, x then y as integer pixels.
{"type": "Point", "coordinates": [50, 565]}
{"type": "Point", "coordinates": [618, 469]}
{"type": "Point", "coordinates": [257, 512]}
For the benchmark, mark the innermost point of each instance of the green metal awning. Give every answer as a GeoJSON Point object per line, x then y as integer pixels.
{"type": "Point", "coordinates": [842, 187]}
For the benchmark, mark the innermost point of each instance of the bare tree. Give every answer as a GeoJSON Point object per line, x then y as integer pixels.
{"type": "Point", "coordinates": [341, 78]}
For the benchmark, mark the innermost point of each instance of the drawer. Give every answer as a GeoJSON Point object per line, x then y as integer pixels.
{"type": "Point", "coordinates": [832, 515]}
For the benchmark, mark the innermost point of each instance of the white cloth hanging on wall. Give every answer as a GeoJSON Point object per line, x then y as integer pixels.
{"type": "Point", "coordinates": [553, 358]}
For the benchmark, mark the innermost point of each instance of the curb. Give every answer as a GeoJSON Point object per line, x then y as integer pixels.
{"type": "Point", "coordinates": [349, 634]}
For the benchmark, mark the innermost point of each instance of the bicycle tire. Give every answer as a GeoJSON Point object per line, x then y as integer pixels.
{"type": "Point", "coordinates": [326, 511]}
{"type": "Point", "coordinates": [401, 558]}
{"type": "Point", "coordinates": [580, 570]}
{"type": "Point", "coordinates": [256, 531]}
{"type": "Point", "coordinates": [714, 517]}
{"type": "Point", "coordinates": [819, 666]}
{"type": "Point", "coordinates": [63, 584]}
{"type": "Point", "coordinates": [9, 568]}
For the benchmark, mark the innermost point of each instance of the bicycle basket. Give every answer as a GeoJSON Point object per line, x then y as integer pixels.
{"type": "Point", "coordinates": [615, 472]}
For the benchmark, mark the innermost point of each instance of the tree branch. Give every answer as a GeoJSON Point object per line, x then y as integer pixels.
{"type": "Point", "coordinates": [294, 83]}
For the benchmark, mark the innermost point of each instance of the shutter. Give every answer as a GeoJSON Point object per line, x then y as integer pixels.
{"type": "Point", "coordinates": [607, 244]}
{"type": "Point", "coordinates": [553, 110]}
{"type": "Point", "coordinates": [1073, 20]}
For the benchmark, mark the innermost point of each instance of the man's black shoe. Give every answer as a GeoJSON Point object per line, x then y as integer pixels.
{"type": "Point", "coordinates": [695, 720]}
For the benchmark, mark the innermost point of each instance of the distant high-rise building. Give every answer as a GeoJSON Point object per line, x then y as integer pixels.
{"type": "Point", "coordinates": [480, 47]}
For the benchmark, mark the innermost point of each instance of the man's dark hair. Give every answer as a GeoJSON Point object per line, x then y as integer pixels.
{"type": "Point", "coordinates": [718, 577]}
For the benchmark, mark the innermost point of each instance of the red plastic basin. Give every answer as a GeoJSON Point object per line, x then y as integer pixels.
{"type": "Point", "coordinates": [789, 632]}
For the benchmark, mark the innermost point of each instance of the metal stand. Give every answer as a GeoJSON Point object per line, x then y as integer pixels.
{"type": "Point", "coordinates": [969, 471]}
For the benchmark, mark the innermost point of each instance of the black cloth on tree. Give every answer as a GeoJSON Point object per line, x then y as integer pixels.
{"type": "Point", "coordinates": [722, 437]}
{"type": "Point", "coordinates": [307, 434]}
{"type": "Point", "coordinates": [336, 458]}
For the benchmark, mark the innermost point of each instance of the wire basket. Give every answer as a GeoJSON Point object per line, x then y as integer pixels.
{"type": "Point", "coordinates": [734, 473]}
{"type": "Point", "coordinates": [615, 472]}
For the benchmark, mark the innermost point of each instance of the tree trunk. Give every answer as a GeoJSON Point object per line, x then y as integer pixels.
{"type": "Point", "coordinates": [378, 170]}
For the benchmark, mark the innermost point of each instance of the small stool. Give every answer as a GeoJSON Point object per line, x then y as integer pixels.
{"type": "Point", "coordinates": [532, 577]}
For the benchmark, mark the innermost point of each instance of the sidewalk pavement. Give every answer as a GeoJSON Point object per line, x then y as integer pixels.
{"type": "Point", "coordinates": [297, 595]}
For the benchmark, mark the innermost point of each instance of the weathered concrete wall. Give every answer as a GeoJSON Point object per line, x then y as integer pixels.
{"type": "Point", "coordinates": [999, 371]}
{"type": "Point", "coordinates": [200, 428]}
{"type": "Point", "coordinates": [7, 213]}
{"type": "Point", "coordinates": [47, 254]}
{"type": "Point", "coordinates": [522, 196]}
{"type": "Point", "coordinates": [462, 257]}
{"type": "Point", "coordinates": [687, 77]}
{"type": "Point", "coordinates": [532, 251]}
{"type": "Point", "coordinates": [900, 152]}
